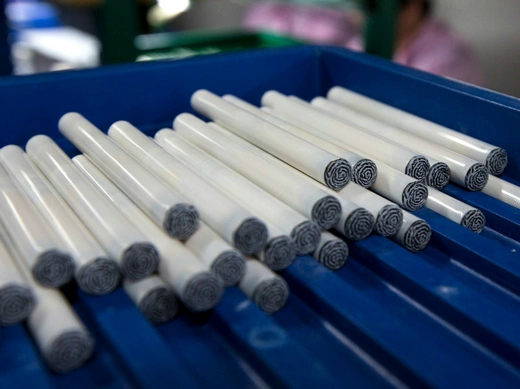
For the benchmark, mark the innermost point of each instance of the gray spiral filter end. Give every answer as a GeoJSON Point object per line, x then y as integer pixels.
{"type": "Point", "coordinates": [230, 267]}
{"type": "Point", "coordinates": [359, 224]}
{"type": "Point", "coordinates": [159, 305]}
{"type": "Point", "coordinates": [364, 173]}
{"type": "Point", "coordinates": [496, 161]}
{"type": "Point", "coordinates": [181, 221]}
{"type": "Point", "coordinates": [251, 236]}
{"type": "Point", "coordinates": [414, 196]}
{"type": "Point", "coordinates": [333, 254]}
{"type": "Point", "coordinates": [16, 302]}
{"type": "Point", "coordinates": [139, 261]}
{"type": "Point", "coordinates": [279, 253]}
{"type": "Point", "coordinates": [417, 237]}
{"type": "Point", "coordinates": [389, 220]}
{"type": "Point", "coordinates": [202, 292]}
{"type": "Point", "coordinates": [337, 174]}
{"type": "Point", "coordinates": [417, 167]}
{"type": "Point", "coordinates": [476, 177]}
{"type": "Point", "coordinates": [474, 220]}
{"type": "Point", "coordinates": [69, 351]}
{"type": "Point", "coordinates": [438, 176]}
{"type": "Point", "coordinates": [271, 295]}
{"type": "Point", "coordinates": [101, 276]}
{"type": "Point", "coordinates": [326, 212]}
{"type": "Point", "coordinates": [306, 237]}
{"type": "Point", "coordinates": [53, 269]}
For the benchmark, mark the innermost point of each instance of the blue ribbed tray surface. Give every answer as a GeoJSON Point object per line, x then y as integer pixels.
{"type": "Point", "coordinates": [446, 317]}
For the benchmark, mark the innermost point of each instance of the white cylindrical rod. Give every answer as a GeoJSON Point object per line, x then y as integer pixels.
{"type": "Point", "coordinates": [136, 256]}
{"type": "Point", "coordinates": [163, 205]}
{"type": "Point", "coordinates": [306, 199]}
{"type": "Point", "coordinates": [364, 171]}
{"type": "Point", "coordinates": [463, 170]}
{"type": "Point", "coordinates": [232, 221]}
{"type": "Point", "coordinates": [95, 272]}
{"type": "Point", "coordinates": [317, 163]}
{"type": "Point", "coordinates": [390, 183]}
{"type": "Point", "coordinates": [494, 157]}
{"type": "Point", "coordinates": [456, 210]}
{"type": "Point", "coordinates": [332, 252]}
{"type": "Point", "coordinates": [397, 156]}
{"type": "Point", "coordinates": [39, 248]}
{"type": "Point", "coordinates": [503, 191]}
{"type": "Point", "coordinates": [16, 297]}
{"type": "Point", "coordinates": [415, 233]}
{"type": "Point", "coordinates": [197, 288]}
{"type": "Point", "coordinates": [388, 216]}
{"type": "Point", "coordinates": [267, 289]}
{"type": "Point", "coordinates": [223, 260]}
{"type": "Point", "coordinates": [356, 223]}
{"type": "Point", "coordinates": [305, 233]}
{"type": "Point", "coordinates": [155, 299]}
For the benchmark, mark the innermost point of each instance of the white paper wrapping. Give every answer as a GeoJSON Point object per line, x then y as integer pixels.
{"type": "Point", "coordinates": [503, 190]}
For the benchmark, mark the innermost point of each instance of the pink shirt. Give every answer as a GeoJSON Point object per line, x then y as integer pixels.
{"type": "Point", "coordinates": [436, 49]}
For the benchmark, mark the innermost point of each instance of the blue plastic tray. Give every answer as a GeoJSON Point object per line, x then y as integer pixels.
{"type": "Point", "coordinates": [446, 317]}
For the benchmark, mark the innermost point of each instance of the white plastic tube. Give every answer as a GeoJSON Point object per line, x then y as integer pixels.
{"type": "Point", "coordinates": [364, 171]}
{"type": "Point", "coordinates": [136, 256]}
{"type": "Point", "coordinates": [155, 299]}
{"type": "Point", "coordinates": [397, 156]}
{"type": "Point", "coordinates": [162, 204]}
{"type": "Point", "coordinates": [495, 158]}
{"type": "Point", "coordinates": [197, 288]}
{"type": "Point", "coordinates": [16, 297]}
{"type": "Point", "coordinates": [305, 198]}
{"type": "Point", "coordinates": [414, 234]}
{"type": "Point", "coordinates": [390, 183]}
{"type": "Point", "coordinates": [463, 170]}
{"type": "Point", "coordinates": [456, 210]}
{"type": "Point", "coordinates": [356, 223]}
{"type": "Point", "coordinates": [39, 249]}
{"type": "Point", "coordinates": [218, 255]}
{"type": "Point", "coordinates": [503, 191]}
{"type": "Point", "coordinates": [232, 221]}
{"type": "Point", "coordinates": [264, 287]}
{"type": "Point", "coordinates": [317, 163]}
{"type": "Point", "coordinates": [332, 252]}
{"type": "Point", "coordinates": [95, 272]}
{"type": "Point", "coordinates": [305, 233]}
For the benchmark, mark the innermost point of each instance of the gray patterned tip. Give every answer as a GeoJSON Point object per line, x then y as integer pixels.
{"type": "Point", "coordinates": [230, 267]}
{"type": "Point", "coordinates": [16, 302]}
{"type": "Point", "coordinates": [271, 295]}
{"type": "Point", "coordinates": [414, 196]}
{"type": "Point", "coordinates": [337, 174]}
{"type": "Point", "coordinates": [251, 236]}
{"type": "Point", "coordinates": [474, 220]}
{"type": "Point", "coordinates": [279, 253]}
{"type": "Point", "coordinates": [181, 221]}
{"type": "Point", "coordinates": [476, 177]}
{"type": "Point", "coordinates": [53, 269]}
{"type": "Point", "coordinates": [202, 292]}
{"type": "Point", "coordinates": [139, 261]}
{"type": "Point", "coordinates": [326, 212]}
{"type": "Point", "coordinates": [99, 277]}
{"type": "Point", "coordinates": [159, 305]}
{"type": "Point", "coordinates": [333, 254]}
{"type": "Point", "coordinates": [364, 173]}
{"type": "Point", "coordinates": [306, 237]}
{"type": "Point", "coordinates": [438, 176]}
{"type": "Point", "coordinates": [496, 161]}
{"type": "Point", "coordinates": [418, 167]}
{"type": "Point", "coordinates": [417, 237]}
{"type": "Point", "coordinates": [359, 225]}
{"type": "Point", "coordinates": [69, 351]}
{"type": "Point", "coordinates": [389, 220]}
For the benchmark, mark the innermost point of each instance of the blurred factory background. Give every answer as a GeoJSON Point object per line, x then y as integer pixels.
{"type": "Point", "coordinates": [62, 34]}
